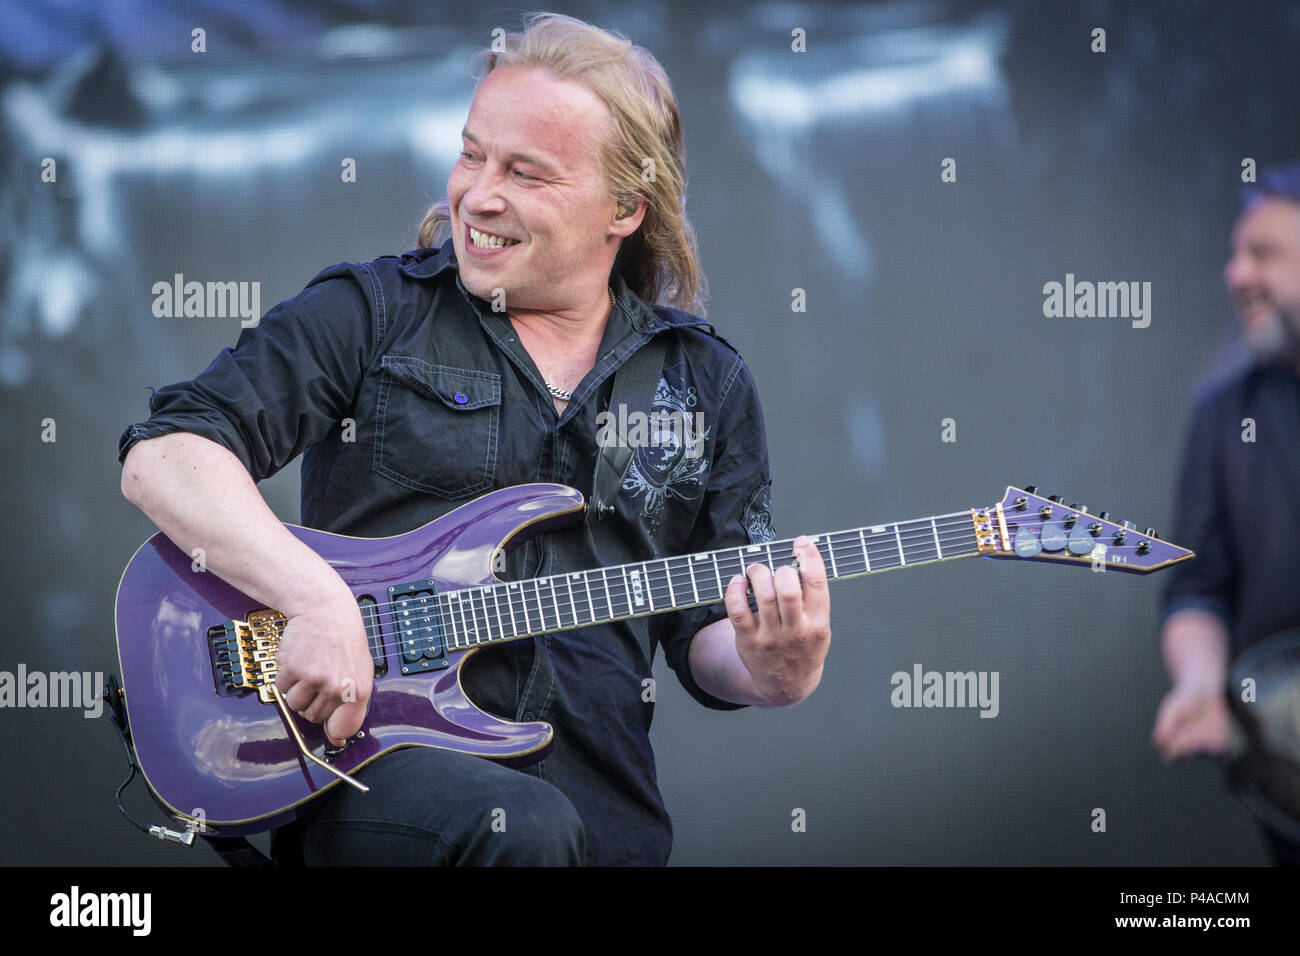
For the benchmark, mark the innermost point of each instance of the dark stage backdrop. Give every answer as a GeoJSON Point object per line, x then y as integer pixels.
{"type": "Point", "coordinates": [815, 176]}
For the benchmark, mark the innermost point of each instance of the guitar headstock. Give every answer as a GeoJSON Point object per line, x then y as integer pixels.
{"type": "Point", "coordinates": [1029, 527]}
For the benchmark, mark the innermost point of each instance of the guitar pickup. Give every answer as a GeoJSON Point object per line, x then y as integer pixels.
{"type": "Point", "coordinates": [374, 635]}
{"type": "Point", "coordinates": [417, 623]}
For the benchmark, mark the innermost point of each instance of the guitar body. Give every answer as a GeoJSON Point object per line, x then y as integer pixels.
{"type": "Point", "coordinates": [228, 761]}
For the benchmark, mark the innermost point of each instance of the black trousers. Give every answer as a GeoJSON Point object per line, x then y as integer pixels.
{"type": "Point", "coordinates": [430, 807]}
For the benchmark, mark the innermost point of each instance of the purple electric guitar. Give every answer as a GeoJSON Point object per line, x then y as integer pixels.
{"type": "Point", "coordinates": [225, 756]}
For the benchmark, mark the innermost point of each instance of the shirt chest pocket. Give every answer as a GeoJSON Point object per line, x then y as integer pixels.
{"type": "Point", "coordinates": [437, 428]}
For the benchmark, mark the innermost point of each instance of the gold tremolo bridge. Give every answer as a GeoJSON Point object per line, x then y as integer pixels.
{"type": "Point", "coordinates": [244, 658]}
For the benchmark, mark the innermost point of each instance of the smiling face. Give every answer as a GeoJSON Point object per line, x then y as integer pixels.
{"type": "Point", "coordinates": [1263, 275]}
{"type": "Point", "coordinates": [529, 172]}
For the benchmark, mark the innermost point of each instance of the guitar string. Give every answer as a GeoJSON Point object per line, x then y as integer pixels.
{"type": "Point", "coordinates": [684, 570]}
{"type": "Point", "coordinates": [908, 534]}
{"type": "Point", "coordinates": [469, 628]}
{"type": "Point", "coordinates": [958, 521]}
{"type": "Point", "coordinates": [465, 634]}
{"type": "Point", "coordinates": [449, 606]}
{"type": "Point", "coordinates": [684, 580]}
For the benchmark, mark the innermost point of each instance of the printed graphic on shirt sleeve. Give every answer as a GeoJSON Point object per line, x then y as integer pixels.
{"type": "Point", "coordinates": [758, 515]}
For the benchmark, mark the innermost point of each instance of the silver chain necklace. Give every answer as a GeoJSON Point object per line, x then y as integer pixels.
{"type": "Point", "coordinates": [564, 394]}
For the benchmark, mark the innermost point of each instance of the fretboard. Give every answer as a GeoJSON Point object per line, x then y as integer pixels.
{"type": "Point", "coordinates": [473, 617]}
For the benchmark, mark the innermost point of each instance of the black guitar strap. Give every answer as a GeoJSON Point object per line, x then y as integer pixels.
{"type": "Point", "coordinates": [634, 388]}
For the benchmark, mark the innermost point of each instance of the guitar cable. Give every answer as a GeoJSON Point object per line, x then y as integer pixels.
{"type": "Point", "coordinates": [113, 696]}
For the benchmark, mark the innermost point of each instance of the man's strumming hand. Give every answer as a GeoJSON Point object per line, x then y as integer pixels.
{"type": "Point", "coordinates": [325, 670]}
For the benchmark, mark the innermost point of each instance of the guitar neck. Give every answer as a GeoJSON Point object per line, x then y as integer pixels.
{"type": "Point", "coordinates": [474, 617]}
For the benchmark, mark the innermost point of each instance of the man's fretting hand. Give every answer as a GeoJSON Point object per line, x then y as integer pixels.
{"type": "Point", "coordinates": [784, 645]}
{"type": "Point", "coordinates": [325, 670]}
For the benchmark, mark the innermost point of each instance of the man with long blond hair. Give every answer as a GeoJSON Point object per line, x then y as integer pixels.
{"type": "Point", "coordinates": [482, 362]}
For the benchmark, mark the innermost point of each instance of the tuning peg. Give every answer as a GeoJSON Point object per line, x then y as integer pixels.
{"type": "Point", "coordinates": [1030, 489]}
{"type": "Point", "coordinates": [1150, 533]}
{"type": "Point", "coordinates": [1104, 515]}
{"type": "Point", "coordinates": [1129, 525]}
{"type": "Point", "coordinates": [1079, 507]}
{"type": "Point", "coordinates": [1057, 498]}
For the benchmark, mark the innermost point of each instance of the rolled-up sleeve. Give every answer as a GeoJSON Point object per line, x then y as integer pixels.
{"type": "Point", "coordinates": [736, 511]}
{"type": "Point", "coordinates": [1207, 583]}
{"type": "Point", "coordinates": [287, 382]}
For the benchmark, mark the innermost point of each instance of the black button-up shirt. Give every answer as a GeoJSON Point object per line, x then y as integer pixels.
{"type": "Point", "coordinates": [1239, 505]}
{"type": "Point", "coordinates": [407, 395]}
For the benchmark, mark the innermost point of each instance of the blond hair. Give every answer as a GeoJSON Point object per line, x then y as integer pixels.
{"type": "Point", "coordinates": [644, 159]}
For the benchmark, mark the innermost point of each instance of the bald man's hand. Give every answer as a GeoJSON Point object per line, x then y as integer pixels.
{"type": "Point", "coordinates": [1193, 718]}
